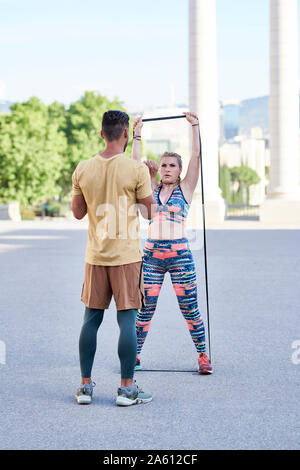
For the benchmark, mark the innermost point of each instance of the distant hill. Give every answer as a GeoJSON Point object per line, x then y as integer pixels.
{"type": "Point", "coordinates": [254, 112]}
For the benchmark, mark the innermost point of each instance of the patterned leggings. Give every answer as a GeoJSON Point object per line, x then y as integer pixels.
{"type": "Point", "coordinates": [174, 256]}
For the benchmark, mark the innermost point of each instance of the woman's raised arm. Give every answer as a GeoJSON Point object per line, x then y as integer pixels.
{"type": "Point", "coordinates": [136, 145]}
{"type": "Point", "coordinates": [192, 175]}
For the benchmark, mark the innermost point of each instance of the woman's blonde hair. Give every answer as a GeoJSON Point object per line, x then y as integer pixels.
{"type": "Point", "coordinates": [179, 161]}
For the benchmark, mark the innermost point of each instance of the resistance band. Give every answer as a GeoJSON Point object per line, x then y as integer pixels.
{"type": "Point", "coordinates": [166, 370]}
{"type": "Point", "coordinates": [203, 217]}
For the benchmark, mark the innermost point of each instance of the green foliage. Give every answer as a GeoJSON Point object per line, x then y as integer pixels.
{"type": "Point", "coordinates": [237, 197]}
{"type": "Point", "coordinates": [82, 129]}
{"type": "Point", "coordinates": [267, 172]}
{"type": "Point", "coordinates": [31, 145]}
{"type": "Point", "coordinates": [224, 183]}
{"type": "Point", "coordinates": [40, 146]}
{"type": "Point", "coordinates": [244, 176]}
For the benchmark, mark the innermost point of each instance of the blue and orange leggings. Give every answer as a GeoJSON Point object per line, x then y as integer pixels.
{"type": "Point", "coordinates": [175, 257]}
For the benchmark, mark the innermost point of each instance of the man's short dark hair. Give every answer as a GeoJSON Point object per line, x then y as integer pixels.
{"type": "Point", "coordinates": [113, 124]}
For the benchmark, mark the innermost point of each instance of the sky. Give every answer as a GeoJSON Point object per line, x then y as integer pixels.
{"type": "Point", "coordinates": [136, 51]}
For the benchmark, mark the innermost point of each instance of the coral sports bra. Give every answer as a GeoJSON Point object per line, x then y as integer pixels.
{"type": "Point", "coordinates": [174, 210]}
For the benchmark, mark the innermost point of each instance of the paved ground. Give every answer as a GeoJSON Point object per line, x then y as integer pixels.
{"type": "Point", "coordinates": [251, 401]}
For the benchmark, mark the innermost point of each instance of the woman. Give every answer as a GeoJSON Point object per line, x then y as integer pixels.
{"type": "Point", "coordinates": [167, 247]}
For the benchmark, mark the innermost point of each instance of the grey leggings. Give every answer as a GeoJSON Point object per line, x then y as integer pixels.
{"type": "Point", "coordinates": [127, 344]}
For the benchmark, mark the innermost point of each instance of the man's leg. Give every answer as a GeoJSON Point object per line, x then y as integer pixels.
{"type": "Point", "coordinates": [129, 393]}
{"type": "Point", "coordinates": [88, 341]}
{"type": "Point", "coordinates": [127, 345]}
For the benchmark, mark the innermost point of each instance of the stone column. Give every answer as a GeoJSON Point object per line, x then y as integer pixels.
{"type": "Point", "coordinates": [282, 204]}
{"type": "Point", "coordinates": [203, 100]}
{"type": "Point", "coordinates": [10, 211]}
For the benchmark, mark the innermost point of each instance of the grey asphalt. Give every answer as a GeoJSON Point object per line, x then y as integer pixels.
{"type": "Point", "coordinates": [250, 402]}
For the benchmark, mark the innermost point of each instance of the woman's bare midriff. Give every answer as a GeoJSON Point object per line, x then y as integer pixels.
{"type": "Point", "coordinates": [166, 230]}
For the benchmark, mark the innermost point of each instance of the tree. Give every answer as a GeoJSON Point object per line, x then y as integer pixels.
{"type": "Point", "coordinates": [40, 146]}
{"type": "Point", "coordinates": [32, 145]}
{"type": "Point", "coordinates": [224, 182]}
{"type": "Point", "coordinates": [245, 177]}
{"type": "Point", "coordinates": [83, 125]}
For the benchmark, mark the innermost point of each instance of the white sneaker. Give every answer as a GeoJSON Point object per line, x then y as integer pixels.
{"type": "Point", "coordinates": [132, 395]}
{"type": "Point", "coordinates": [84, 394]}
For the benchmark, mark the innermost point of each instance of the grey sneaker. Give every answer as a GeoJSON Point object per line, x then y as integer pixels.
{"type": "Point", "coordinates": [84, 394]}
{"type": "Point", "coordinates": [132, 395]}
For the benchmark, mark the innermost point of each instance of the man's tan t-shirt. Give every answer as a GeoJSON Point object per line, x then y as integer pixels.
{"type": "Point", "coordinates": [111, 187]}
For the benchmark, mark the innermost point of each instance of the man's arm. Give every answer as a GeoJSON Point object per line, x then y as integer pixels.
{"type": "Point", "coordinates": [147, 205]}
{"type": "Point", "coordinates": [153, 169]}
{"type": "Point", "coordinates": [79, 207]}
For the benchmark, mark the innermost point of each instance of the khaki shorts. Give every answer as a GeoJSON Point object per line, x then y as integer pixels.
{"type": "Point", "coordinates": [125, 283]}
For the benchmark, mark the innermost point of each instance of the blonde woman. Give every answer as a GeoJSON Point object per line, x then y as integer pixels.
{"type": "Point", "coordinates": [167, 247]}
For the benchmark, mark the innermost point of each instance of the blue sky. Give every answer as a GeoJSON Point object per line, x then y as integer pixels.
{"type": "Point", "coordinates": [135, 50]}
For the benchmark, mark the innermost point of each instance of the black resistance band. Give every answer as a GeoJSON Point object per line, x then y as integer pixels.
{"type": "Point", "coordinates": [203, 216]}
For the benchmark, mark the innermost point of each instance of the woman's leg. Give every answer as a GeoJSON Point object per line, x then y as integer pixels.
{"type": "Point", "coordinates": [88, 340]}
{"type": "Point", "coordinates": [183, 276]}
{"type": "Point", "coordinates": [154, 273]}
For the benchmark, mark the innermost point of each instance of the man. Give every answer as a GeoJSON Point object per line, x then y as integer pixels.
{"type": "Point", "coordinates": [108, 187]}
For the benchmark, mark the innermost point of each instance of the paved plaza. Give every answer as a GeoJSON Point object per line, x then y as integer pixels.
{"type": "Point", "coordinates": [250, 402]}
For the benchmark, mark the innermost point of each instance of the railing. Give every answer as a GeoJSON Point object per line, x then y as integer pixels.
{"type": "Point", "coordinates": [242, 212]}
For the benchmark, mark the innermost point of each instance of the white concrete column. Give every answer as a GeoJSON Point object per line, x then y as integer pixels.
{"type": "Point", "coordinates": [283, 198]}
{"type": "Point", "coordinates": [203, 99]}
{"type": "Point", "coordinates": [10, 211]}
